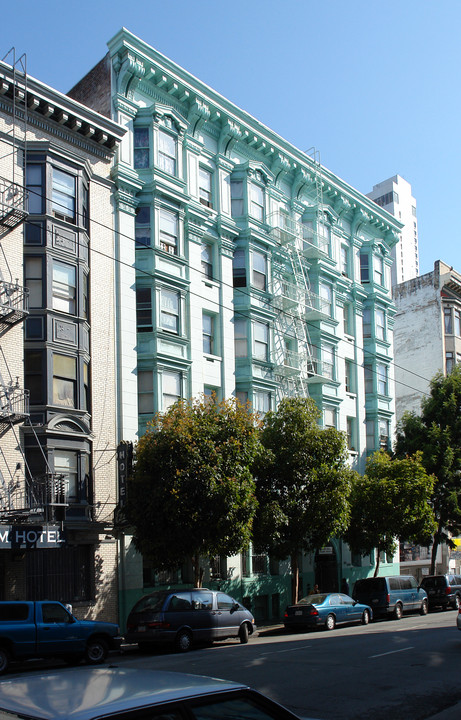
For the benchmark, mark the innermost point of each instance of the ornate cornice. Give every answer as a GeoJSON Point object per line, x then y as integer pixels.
{"type": "Point", "coordinates": [129, 69]}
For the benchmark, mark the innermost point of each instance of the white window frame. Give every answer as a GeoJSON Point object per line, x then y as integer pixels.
{"type": "Point", "coordinates": [380, 324]}
{"type": "Point", "coordinates": [170, 311]}
{"type": "Point", "coordinates": [262, 402]}
{"type": "Point", "coordinates": [259, 276]}
{"type": "Point", "coordinates": [208, 333]}
{"type": "Point", "coordinates": [66, 464]}
{"type": "Point", "coordinates": [169, 231]}
{"type": "Point", "coordinates": [171, 380]}
{"type": "Point", "coordinates": [382, 377]}
{"type": "Point", "coordinates": [167, 152]}
{"type": "Point", "coordinates": [240, 338]}
{"type": "Point", "coordinates": [145, 392]}
{"type": "Point", "coordinates": [257, 201]}
{"type": "Point", "coordinates": [261, 341]}
{"type": "Point", "coordinates": [205, 187]}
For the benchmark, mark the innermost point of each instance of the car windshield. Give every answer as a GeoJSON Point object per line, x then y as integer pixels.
{"type": "Point", "coordinates": [152, 602]}
{"type": "Point", "coordinates": [312, 600]}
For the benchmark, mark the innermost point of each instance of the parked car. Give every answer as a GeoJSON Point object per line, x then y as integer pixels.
{"type": "Point", "coordinates": [183, 617]}
{"type": "Point", "coordinates": [443, 590]}
{"type": "Point", "coordinates": [328, 609]}
{"type": "Point", "coordinates": [392, 595]}
{"type": "Point", "coordinates": [45, 628]}
{"type": "Point", "coordinates": [113, 693]}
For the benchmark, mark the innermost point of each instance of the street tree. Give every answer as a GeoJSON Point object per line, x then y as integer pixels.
{"type": "Point", "coordinates": [436, 432]}
{"type": "Point", "coordinates": [390, 502]}
{"type": "Point", "coordinates": [192, 494]}
{"type": "Point", "coordinates": [303, 484]}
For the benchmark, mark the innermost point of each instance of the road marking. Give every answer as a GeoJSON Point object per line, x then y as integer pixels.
{"type": "Point", "coordinates": [391, 652]}
{"type": "Point", "coordinates": [277, 652]}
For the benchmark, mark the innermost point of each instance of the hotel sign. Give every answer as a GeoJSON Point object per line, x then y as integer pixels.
{"type": "Point", "coordinates": [31, 537]}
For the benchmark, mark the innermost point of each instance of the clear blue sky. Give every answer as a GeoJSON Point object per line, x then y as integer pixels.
{"type": "Point", "coordinates": [374, 86]}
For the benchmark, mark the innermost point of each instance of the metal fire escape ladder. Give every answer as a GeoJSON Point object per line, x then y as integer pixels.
{"type": "Point", "coordinates": [12, 194]}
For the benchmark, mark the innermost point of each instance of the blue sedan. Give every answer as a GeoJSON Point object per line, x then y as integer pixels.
{"type": "Point", "coordinates": [327, 609]}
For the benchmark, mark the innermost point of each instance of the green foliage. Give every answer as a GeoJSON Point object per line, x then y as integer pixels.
{"type": "Point", "coordinates": [192, 493]}
{"type": "Point", "coordinates": [390, 502]}
{"type": "Point", "coordinates": [437, 434]}
{"type": "Point", "coordinates": [303, 482]}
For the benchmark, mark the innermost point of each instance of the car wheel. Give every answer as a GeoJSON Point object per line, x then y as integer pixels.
{"type": "Point", "coordinates": [243, 634]}
{"type": "Point", "coordinates": [398, 612]}
{"type": "Point", "coordinates": [4, 660]}
{"type": "Point", "coordinates": [96, 651]}
{"type": "Point", "coordinates": [330, 622]}
{"type": "Point", "coordinates": [423, 609]}
{"type": "Point", "coordinates": [365, 617]}
{"type": "Point", "coordinates": [183, 641]}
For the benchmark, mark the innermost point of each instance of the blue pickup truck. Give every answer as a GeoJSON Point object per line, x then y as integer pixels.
{"type": "Point", "coordinates": [46, 629]}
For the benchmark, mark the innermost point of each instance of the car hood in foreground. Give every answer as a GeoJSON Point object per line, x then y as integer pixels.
{"type": "Point", "coordinates": [84, 693]}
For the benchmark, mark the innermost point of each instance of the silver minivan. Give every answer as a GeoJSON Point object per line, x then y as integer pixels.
{"type": "Point", "coordinates": [184, 617]}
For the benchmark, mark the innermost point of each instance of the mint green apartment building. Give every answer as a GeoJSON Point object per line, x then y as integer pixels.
{"type": "Point", "coordinates": [244, 268]}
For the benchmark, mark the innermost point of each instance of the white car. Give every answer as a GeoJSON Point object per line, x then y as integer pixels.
{"type": "Point", "coordinates": [125, 694]}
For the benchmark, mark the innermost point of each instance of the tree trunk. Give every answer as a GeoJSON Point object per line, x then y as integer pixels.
{"type": "Point", "coordinates": [378, 553]}
{"type": "Point", "coordinates": [294, 578]}
{"type": "Point", "coordinates": [198, 572]}
{"type": "Point", "coordinates": [435, 547]}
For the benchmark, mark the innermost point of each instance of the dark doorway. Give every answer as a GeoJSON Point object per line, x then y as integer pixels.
{"type": "Point", "coordinates": [326, 569]}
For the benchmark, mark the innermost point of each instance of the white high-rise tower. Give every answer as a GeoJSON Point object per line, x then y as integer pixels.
{"type": "Point", "coordinates": [394, 195]}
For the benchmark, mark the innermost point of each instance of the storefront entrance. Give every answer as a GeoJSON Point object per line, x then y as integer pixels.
{"type": "Point", "coordinates": [326, 569]}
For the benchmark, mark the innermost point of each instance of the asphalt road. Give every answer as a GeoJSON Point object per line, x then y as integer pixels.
{"type": "Point", "coordinates": [397, 670]}
{"type": "Point", "coordinates": [392, 670]}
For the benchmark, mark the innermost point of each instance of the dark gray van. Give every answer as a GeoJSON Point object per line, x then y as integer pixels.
{"type": "Point", "coordinates": [391, 595]}
{"type": "Point", "coordinates": [183, 617]}
{"type": "Point", "coordinates": [443, 590]}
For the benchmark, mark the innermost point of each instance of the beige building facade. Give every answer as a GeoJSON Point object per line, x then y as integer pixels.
{"type": "Point", "coordinates": [58, 419]}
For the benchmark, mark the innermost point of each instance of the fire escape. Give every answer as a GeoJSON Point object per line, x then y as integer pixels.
{"type": "Point", "coordinates": [298, 243]}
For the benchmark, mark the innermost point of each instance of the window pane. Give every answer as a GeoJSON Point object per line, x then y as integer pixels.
{"type": "Point", "coordinates": [207, 260]}
{"type": "Point", "coordinates": [64, 290]}
{"type": "Point", "coordinates": [65, 464]}
{"type": "Point", "coordinates": [141, 148]}
{"type": "Point", "coordinates": [142, 225]}
{"type": "Point", "coordinates": [63, 194]}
